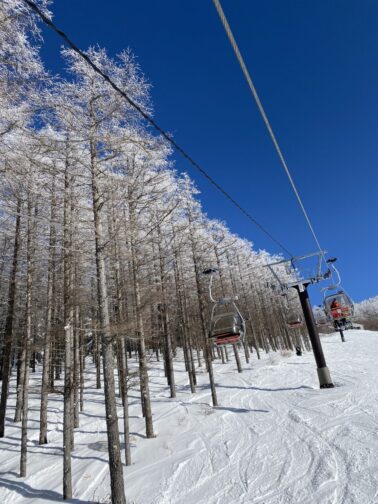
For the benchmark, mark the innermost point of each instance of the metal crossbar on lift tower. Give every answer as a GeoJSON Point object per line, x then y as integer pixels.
{"type": "Point", "coordinates": [153, 123]}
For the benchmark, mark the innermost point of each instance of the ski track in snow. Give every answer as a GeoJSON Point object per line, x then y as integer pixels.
{"type": "Point", "coordinates": [275, 438]}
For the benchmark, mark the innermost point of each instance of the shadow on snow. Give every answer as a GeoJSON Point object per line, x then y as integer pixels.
{"type": "Point", "coordinates": [31, 493]}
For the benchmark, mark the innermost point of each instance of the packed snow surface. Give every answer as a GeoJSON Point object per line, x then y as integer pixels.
{"type": "Point", "coordinates": [275, 438]}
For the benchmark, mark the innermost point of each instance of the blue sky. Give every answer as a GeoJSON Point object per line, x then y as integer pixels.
{"type": "Point", "coordinates": [315, 66]}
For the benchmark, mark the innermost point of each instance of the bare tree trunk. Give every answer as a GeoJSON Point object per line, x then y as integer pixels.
{"type": "Point", "coordinates": [7, 351]}
{"type": "Point", "coordinates": [21, 363]}
{"type": "Point", "coordinates": [165, 321]}
{"type": "Point", "coordinates": [48, 340]}
{"type": "Point", "coordinates": [191, 366]}
{"type": "Point", "coordinates": [76, 370]}
{"type": "Point", "coordinates": [115, 464]}
{"type": "Point", "coordinates": [67, 416]}
{"type": "Point", "coordinates": [125, 401]}
{"type": "Point", "coordinates": [3, 263]}
{"type": "Point", "coordinates": [122, 352]}
{"type": "Point", "coordinates": [98, 359]}
{"type": "Point", "coordinates": [25, 405]}
{"type": "Point", "coordinates": [143, 370]}
{"type": "Point", "coordinates": [26, 344]}
{"type": "Point", "coordinates": [189, 359]}
{"type": "Point", "coordinates": [82, 367]}
{"type": "Point", "coordinates": [168, 349]}
{"type": "Point", "coordinates": [96, 336]}
{"type": "Point", "coordinates": [226, 354]}
{"type": "Point", "coordinates": [237, 358]}
{"type": "Point", "coordinates": [246, 350]}
{"type": "Point", "coordinates": [68, 336]}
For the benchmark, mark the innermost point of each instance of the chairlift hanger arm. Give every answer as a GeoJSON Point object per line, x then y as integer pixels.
{"type": "Point", "coordinates": [338, 280]}
{"type": "Point", "coordinates": [210, 286]}
{"type": "Point", "coordinates": [276, 277]}
{"type": "Point", "coordinates": [320, 265]}
{"type": "Point", "coordinates": [238, 312]}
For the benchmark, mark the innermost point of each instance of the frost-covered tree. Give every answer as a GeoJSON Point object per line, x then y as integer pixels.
{"type": "Point", "coordinates": [21, 69]}
{"type": "Point", "coordinates": [366, 313]}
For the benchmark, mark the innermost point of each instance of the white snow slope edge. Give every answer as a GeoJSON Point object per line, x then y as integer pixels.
{"type": "Point", "coordinates": [276, 438]}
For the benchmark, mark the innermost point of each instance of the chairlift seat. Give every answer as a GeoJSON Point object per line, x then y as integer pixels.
{"type": "Point", "coordinates": [343, 312]}
{"type": "Point", "coordinates": [226, 328]}
{"type": "Point", "coordinates": [227, 339]}
{"type": "Point", "coordinates": [295, 323]}
{"type": "Point", "coordinates": [294, 319]}
{"type": "Point", "coordinates": [320, 316]}
{"type": "Point", "coordinates": [323, 321]}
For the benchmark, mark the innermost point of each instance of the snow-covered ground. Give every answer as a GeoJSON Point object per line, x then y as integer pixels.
{"type": "Point", "coordinates": [276, 438]}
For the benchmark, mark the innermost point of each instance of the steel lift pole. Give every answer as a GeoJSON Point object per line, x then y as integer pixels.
{"type": "Point", "coordinates": [324, 376]}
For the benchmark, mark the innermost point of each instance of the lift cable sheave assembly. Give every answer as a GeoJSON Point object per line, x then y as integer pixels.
{"type": "Point", "coordinates": [154, 124]}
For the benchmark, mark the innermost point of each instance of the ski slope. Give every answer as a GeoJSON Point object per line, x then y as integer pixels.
{"type": "Point", "coordinates": [275, 439]}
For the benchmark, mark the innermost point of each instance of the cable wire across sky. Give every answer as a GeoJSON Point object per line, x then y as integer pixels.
{"type": "Point", "coordinates": [153, 123]}
{"type": "Point", "coordinates": [248, 78]}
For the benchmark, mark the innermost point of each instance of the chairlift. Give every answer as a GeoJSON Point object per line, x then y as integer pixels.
{"type": "Point", "coordinates": [294, 319]}
{"type": "Point", "coordinates": [320, 317]}
{"type": "Point", "coordinates": [226, 327]}
{"type": "Point", "coordinates": [338, 306]}
{"type": "Point", "coordinates": [339, 309]}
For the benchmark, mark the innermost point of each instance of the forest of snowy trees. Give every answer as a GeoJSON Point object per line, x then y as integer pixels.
{"type": "Point", "coordinates": [103, 245]}
{"type": "Point", "coordinates": [367, 313]}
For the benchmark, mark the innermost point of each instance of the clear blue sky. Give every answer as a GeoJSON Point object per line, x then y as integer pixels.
{"type": "Point", "coordinates": [315, 66]}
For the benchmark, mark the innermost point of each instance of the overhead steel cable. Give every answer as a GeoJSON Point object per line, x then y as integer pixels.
{"type": "Point", "coordinates": [151, 121]}
{"type": "Point", "coordinates": [247, 75]}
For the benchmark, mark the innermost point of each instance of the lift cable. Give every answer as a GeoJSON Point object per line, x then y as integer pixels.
{"type": "Point", "coordinates": [246, 73]}
{"type": "Point", "coordinates": [151, 121]}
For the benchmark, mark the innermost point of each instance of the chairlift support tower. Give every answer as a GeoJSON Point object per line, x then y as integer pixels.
{"type": "Point", "coordinates": [300, 286]}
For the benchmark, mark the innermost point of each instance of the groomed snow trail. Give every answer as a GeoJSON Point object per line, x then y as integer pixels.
{"type": "Point", "coordinates": [275, 438]}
